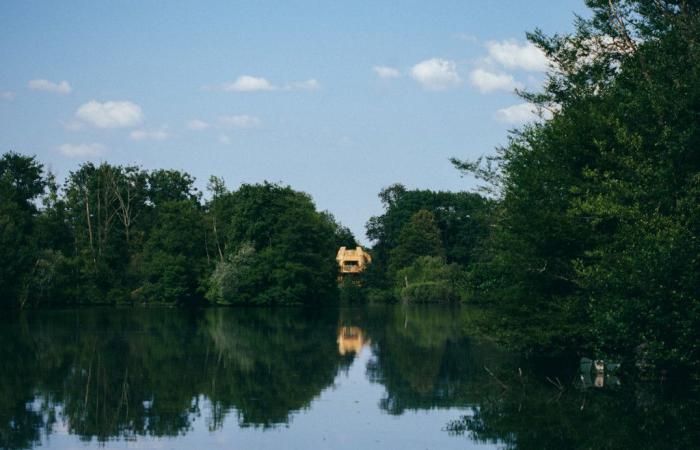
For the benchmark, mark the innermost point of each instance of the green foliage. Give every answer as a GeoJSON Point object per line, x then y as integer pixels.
{"type": "Point", "coordinates": [21, 182]}
{"type": "Point", "coordinates": [120, 234]}
{"type": "Point", "coordinates": [460, 217]}
{"type": "Point", "coordinates": [595, 240]}
{"type": "Point", "coordinates": [173, 260]}
{"type": "Point", "coordinates": [430, 280]}
{"type": "Point", "coordinates": [230, 280]}
{"type": "Point", "coordinates": [278, 249]}
{"type": "Point", "coordinates": [352, 289]}
{"type": "Point", "coordinates": [343, 235]}
{"type": "Point", "coordinates": [419, 237]}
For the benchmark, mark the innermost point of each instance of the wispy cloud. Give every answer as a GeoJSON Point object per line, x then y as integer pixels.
{"type": "Point", "coordinates": [7, 96]}
{"type": "Point", "coordinates": [224, 139]}
{"type": "Point", "coordinates": [487, 81]}
{"type": "Point", "coordinates": [72, 125]}
{"type": "Point", "coordinates": [307, 85]}
{"type": "Point", "coordinates": [239, 121]}
{"type": "Point", "coordinates": [82, 150]}
{"type": "Point", "coordinates": [521, 113]}
{"type": "Point", "coordinates": [110, 114]}
{"type": "Point", "coordinates": [386, 72]}
{"type": "Point", "coordinates": [249, 83]}
{"type": "Point", "coordinates": [62, 87]}
{"type": "Point", "coordinates": [436, 74]}
{"type": "Point", "coordinates": [512, 55]}
{"type": "Point", "coordinates": [149, 135]}
{"type": "Point", "coordinates": [197, 125]}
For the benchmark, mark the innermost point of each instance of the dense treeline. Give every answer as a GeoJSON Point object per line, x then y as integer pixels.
{"type": "Point", "coordinates": [122, 234]}
{"type": "Point", "coordinates": [423, 243]}
{"type": "Point", "coordinates": [595, 240]}
{"type": "Point", "coordinates": [588, 236]}
{"type": "Point", "coordinates": [592, 237]}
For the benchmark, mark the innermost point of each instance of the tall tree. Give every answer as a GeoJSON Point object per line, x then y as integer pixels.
{"type": "Point", "coordinates": [21, 183]}
{"type": "Point", "coordinates": [596, 241]}
{"type": "Point", "coordinates": [420, 237]}
{"type": "Point", "coordinates": [291, 248]}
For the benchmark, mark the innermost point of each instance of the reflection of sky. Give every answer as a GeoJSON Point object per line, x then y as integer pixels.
{"type": "Point", "coordinates": [345, 416]}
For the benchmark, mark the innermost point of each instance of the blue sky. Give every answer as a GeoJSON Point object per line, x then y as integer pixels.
{"type": "Point", "coordinates": [338, 99]}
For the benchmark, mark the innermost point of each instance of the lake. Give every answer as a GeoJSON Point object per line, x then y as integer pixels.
{"type": "Point", "coordinates": [393, 377]}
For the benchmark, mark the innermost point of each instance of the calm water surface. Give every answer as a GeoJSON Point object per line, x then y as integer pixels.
{"type": "Point", "coordinates": [369, 378]}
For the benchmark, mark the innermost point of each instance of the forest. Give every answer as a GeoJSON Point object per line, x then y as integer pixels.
{"type": "Point", "coordinates": [584, 234]}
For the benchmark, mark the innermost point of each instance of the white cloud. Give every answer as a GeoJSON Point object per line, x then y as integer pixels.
{"type": "Point", "coordinates": [239, 121]}
{"type": "Point", "coordinates": [308, 85]}
{"type": "Point", "coordinates": [510, 54]}
{"type": "Point", "coordinates": [72, 125]}
{"type": "Point", "coordinates": [386, 72]}
{"type": "Point", "coordinates": [487, 81]}
{"type": "Point", "coordinates": [49, 86]}
{"type": "Point", "coordinates": [152, 135]}
{"type": "Point", "coordinates": [110, 114]}
{"type": "Point", "coordinates": [82, 150]}
{"type": "Point", "coordinates": [247, 83]}
{"type": "Point", "coordinates": [7, 95]}
{"type": "Point", "coordinates": [436, 74]}
{"type": "Point", "coordinates": [197, 125]}
{"type": "Point", "coordinates": [520, 113]}
{"type": "Point", "coordinates": [223, 139]}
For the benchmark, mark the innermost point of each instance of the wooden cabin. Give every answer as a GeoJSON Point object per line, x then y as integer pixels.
{"type": "Point", "coordinates": [352, 261]}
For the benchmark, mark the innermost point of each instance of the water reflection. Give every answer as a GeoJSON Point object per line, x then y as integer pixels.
{"type": "Point", "coordinates": [351, 340]}
{"type": "Point", "coordinates": [102, 374]}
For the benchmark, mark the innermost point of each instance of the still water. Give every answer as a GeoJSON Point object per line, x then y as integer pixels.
{"type": "Point", "coordinates": [371, 378]}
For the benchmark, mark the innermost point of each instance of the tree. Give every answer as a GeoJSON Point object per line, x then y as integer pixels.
{"type": "Point", "coordinates": [289, 248]}
{"type": "Point", "coordinates": [595, 241]}
{"type": "Point", "coordinates": [173, 263]}
{"type": "Point", "coordinates": [420, 237]}
{"type": "Point", "coordinates": [21, 183]}
{"type": "Point", "coordinates": [461, 217]}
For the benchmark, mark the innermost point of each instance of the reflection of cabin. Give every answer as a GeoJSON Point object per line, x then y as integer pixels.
{"type": "Point", "coordinates": [352, 261]}
{"type": "Point", "coordinates": [351, 340]}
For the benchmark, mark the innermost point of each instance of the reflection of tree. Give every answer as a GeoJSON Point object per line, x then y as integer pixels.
{"type": "Point", "coordinates": [537, 416]}
{"type": "Point", "coordinates": [19, 427]}
{"type": "Point", "coordinates": [425, 360]}
{"type": "Point", "coordinates": [270, 362]}
{"type": "Point", "coordinates": [112, 373]}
